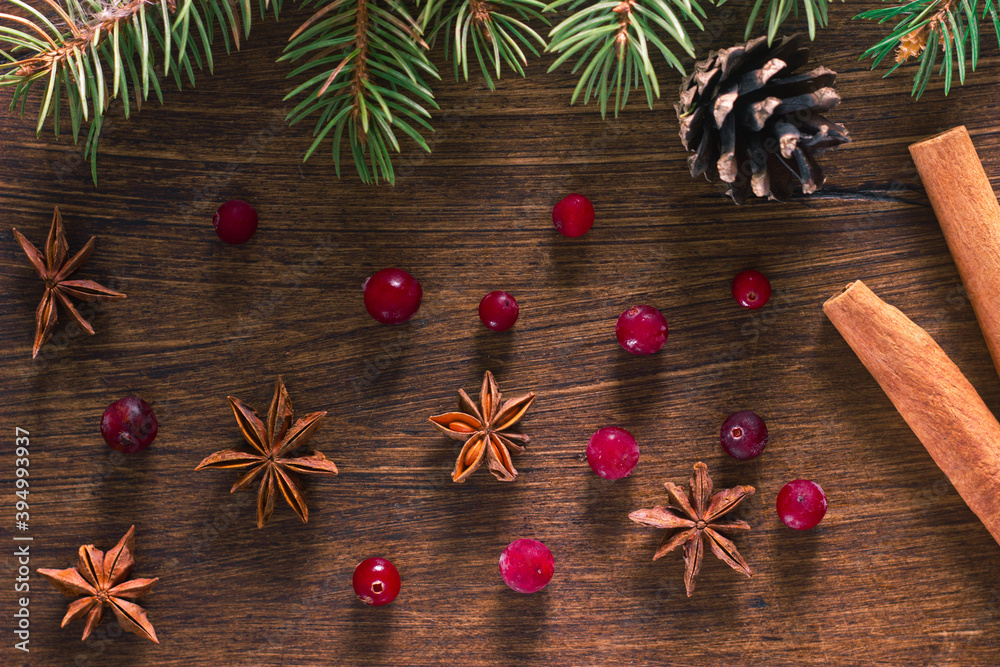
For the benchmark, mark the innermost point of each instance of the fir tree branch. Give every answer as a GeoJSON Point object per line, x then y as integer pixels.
{"type": "Point", "coordinates": [927, 29]}
{"type": "Point", "coordinates": [778, 11]}
{"type": "Point", "coordinates": [85, 53]}
{"type": "Point", "coordinates": [367, 64]}
{"type": "Point", "coordinates": [365, 60]}
{"type": "Point", "coordinates": [614, 41]}
{"type": "Point", "coordinates": [497, 31]}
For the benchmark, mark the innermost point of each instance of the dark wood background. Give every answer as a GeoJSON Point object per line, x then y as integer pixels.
{"type": "Point", "coordinates": [899, 572]}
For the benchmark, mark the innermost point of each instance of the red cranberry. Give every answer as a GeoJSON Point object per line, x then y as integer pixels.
{"type": "Point", "coordinates": [392, 296]}
{"type": "Point", "coordinates": [526, 566]}
{"type": "Point", "coordinates": [641, 330]}
{"type": "Point", "coordinates": [751, 289]}
{"type": "Point", "coordinates": [573, 216]}
{"type": "Point", "coordinates": [129, 425]}
{"type": "Point", "coordinates": [376, 581]}
{"type": "Point", "coordinates": [744, 435]}
{"type": "Point", "coordinates": [801, 504]}
{"type": "Point", "coordinates": [612, 452]}
{"type": "Point", "coordinates": [235, 221]}
{"type": "Point", "coordinates": [498, 311]}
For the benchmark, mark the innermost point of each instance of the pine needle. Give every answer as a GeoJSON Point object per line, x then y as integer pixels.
{"type": "Point", "coordinates": [77, 49]}
{"type": "Point", "coordinates": [367, 72]}
{"type": "Point", "coordinates": [927, 29]}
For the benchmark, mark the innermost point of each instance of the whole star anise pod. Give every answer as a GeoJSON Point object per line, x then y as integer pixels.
{"type": "Point", "coordinates": [55, 268]}
{"type": "Point", "coordinates": [484, 431]}
{"type": "Point", "coordinates": [101, 578]}
{"type": "Point", "coordinates": [692, 519]}
{"type": "Point", "coordinates": [271, 459]}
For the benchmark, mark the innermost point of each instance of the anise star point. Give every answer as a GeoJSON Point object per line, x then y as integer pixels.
{"type": "Point", "coordinates": [102, 578]}
{"type": "Point", "coordinates": [484, 430]}
{"type": "Point", "coordinates": [271, 444]}
{"type": "Point", "coordinates": [692, 518]}
{"type": "Point", "coordinates": [55, 267]}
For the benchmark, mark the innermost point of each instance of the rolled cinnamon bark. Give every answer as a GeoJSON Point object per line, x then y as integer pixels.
{"type": "Point", "coordinates": [930, 392]}
{"type": "Point", "coordinates": [967, 209]}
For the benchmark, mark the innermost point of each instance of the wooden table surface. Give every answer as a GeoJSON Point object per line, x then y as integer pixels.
{"type": "Point", "coordinates": [899, 572]}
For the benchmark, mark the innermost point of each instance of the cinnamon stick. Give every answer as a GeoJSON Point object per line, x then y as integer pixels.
{"type": "Point", "coordinates": [967, 209]}
{"type": "Point", "coordinates": [930, 392]}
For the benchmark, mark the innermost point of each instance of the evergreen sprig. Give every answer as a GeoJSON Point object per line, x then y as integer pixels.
{"type": "Point", "coordinates": [929, 29]}
{"type": "Point", "coordinates": [368, 70]}
{"type": "Point", "coordinates": [364, 69]}
{"type": "Point", "coordinates": [613, 41]}
{"type": "Point", "coordinates": [497, 31]}
{"type": "Point", "coordinates": [778, 11]}
{"type": "Point", "coordinates": [87, 53]}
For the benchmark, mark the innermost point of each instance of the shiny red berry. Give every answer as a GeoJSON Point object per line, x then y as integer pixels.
{"type": "Point", "coordinates": [526, 565]}
{"type": "Point", "coordinates": [235, 221]}
{"type": "Point", "coordinates": [744, 435]}
{"type": "Point", "coordinates": [376, 581]}
{"type": "Point", "coordinates": [612, 452]}
{"type": "Point", "coordinates": [641, 330]}
{"type": "Point", "coordinates": [392, 296]}
{"type": "Point", "coordinates": [129, 425]}
{"type": "Point", "coordinates": [801, 504]}
{"type": "Point", "coordinates": [573, 215]}
{"type": "Point", "coordinates": [498, 311]}
{"type": "Point", "coordinates": [751, 289]}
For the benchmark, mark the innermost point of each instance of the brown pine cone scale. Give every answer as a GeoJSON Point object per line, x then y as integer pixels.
{"type": "Point", "coordinates": [754, 124]}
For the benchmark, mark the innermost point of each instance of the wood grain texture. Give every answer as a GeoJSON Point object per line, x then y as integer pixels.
{"type": "Point", "coordinates": [899, 572]}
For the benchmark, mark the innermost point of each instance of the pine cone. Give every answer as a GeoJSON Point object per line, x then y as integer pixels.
{"type": "Point", "coordinates": [753, 123]}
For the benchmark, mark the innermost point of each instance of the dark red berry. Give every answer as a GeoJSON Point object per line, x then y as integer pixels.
{"type": "Point", "coordinates": [392, 296]}
{"type": "Point", "coordinates": [573, 216]}
{"type": "Point", "coordinates": [526, 565]}
{"type": "Point", "coordinates": [129, 425]}
{"type": "Point", "coordinates": [376, 581]}
{"type": "Point", "coordinates": [235, 221]}
{"type": "Point", "coordinates": [751, 289]}
{"type": "Point", "coordinates": [498, 311]}
{"type": "Point", "coordinates": [612, 452]}
{"type": "Point", "coordinates": [641, 330]}
{"type": "Point", "coordinates": [801, 504]}
{"type": "Point", "coordinates": [744, 435]}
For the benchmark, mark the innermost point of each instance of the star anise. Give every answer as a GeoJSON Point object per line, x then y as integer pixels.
{"type": "Point", "coordinates": [55, 268]}
{"type": "Point", "coordinates": [692, 519]}
{"type": "Point", "coordinates": [481, 429]}
{"type": "Point", "coordinates": [101, 577]}
{"type": "Point", "coordinates": [273, 443]}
